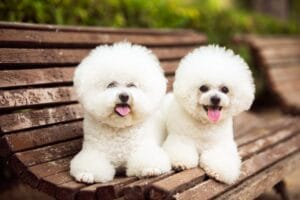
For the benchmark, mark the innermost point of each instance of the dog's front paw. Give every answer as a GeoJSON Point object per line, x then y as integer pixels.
{"type": "Point", "coordinates": [223, 168]}
{"type": "Point", "coordinates": [85, 177]}
{"type": "Point", "coordinates": [150, 172]}
{"type": "Point", "coordinates": [177, 166]}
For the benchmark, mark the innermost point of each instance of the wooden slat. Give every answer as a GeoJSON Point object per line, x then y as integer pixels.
{"type": "Point", "coordinates": [176, 183]}
{"type": "Point", "coordinates": [49, 153]}
{"type": "Point", "coordinates": [284, 72]}
{"type": "Point", "coordinates": [68, 191]}
{"type": "Point", "coordinates": [12, 56]}
{"type": "Point", "coordinates": [254, 186]}
{"type": "Point", "coordinates": [33, 175]}
{"type": "Point", "coordinates": [139, 190]}
{"type": "Point", "coordinates": [38, 137]}
{"type": "Point", "coordinates": [245, 122]}
{"type": "Point", "coordinates": [212, 188]}
{"type": "Point", "coordinates": [51, 183]}
{"type": "Point", "coordinates": [68, 28]}
{"type": "Point", "coordinates": [263, 131]}
{"type": "Point", "coordinates": [33, 97]}
{"type": "Point", "coordinates": [267, 41]}
{"type": "Point", "coordinates": [282, 52]}
{"type": "Point", "coordinates": [32, 77]}
{"type": "Point", "coordinates": [109, 190]}
{"type": "Point", "coordinates": [36, 118]}
{"type": "Point", "coordinates": [48, 39]}
{"type": "Point", "coordinates": [258, 145]}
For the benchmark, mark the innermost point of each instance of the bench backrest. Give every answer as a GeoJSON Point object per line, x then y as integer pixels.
{"type": "Point", "coordinates": [279, 59]}
{"type": "Point", "coordinates": [37, 102]}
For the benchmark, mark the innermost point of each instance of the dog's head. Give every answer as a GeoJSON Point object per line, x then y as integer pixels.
{"type": "Point", "coordinates": [120, 85]}
{"type": "Point", "coordinates": [212, 84]}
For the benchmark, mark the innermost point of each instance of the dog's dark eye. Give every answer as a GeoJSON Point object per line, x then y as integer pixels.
{"type": "Point", "coordinates": [131, 85]}
{"type": "Point", "coordinates": [112, 84]}
{"type": "Point", "coordinates": [204, 88]}
{"type": "Point", "coordinates": [224, 89]}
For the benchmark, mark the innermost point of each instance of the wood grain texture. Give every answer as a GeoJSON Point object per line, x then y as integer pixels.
{"type": "Point", "coordinates": [48, 39]}
{"type": "Point", "coordinates": [23, 98]}
{"type": "Point", "coordinates": [33, 77]}
{"type": "Point", "coordinates": [41, 117]}
{"type": "Point", "coordinates": [22, 56]}
{"type": "Point", "coordinates": [35, 138]}
{"type": "Point", "coordinates": [69, 28]}
{"type": "Point", "coordinates": [139, 190]}
{"type": "Point", "coordinates": [109, 190]}
{"type": "Point", "coordinates": [165, 188]}
{"type": "Point", "coordinates": [49, 153]}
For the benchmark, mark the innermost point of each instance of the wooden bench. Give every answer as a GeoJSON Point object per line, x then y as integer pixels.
{"type": "Point", "coordinates": [279, 59]}
{"type": "Point", "coordinates": [41, 121]}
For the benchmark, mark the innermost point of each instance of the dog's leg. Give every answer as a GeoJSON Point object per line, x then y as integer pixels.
{"type": "Point", "coordinates": [222, 162]}
{"type": "Point", "coordinates": [182, 152]}
{"type": "Point", "coordinates": [148, 160]}
{"type": "Point", "coordinates": [90, 166]}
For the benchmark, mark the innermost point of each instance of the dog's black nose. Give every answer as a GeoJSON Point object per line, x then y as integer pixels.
{"type": "Point", "coordinates": [215, 100]}
{"type": "Point", "coordinates": [123, 97]}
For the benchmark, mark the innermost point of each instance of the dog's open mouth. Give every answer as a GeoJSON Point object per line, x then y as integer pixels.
{"type": "Point", "coordinates": [122, 109]}
{"type": "Point", "coordinates": [213, 112]}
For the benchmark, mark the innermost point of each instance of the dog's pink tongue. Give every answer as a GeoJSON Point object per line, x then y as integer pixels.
{"type": "Point", "coordinates": [213, 114]}
{"type": "Point", "coordinates": [123, 110]}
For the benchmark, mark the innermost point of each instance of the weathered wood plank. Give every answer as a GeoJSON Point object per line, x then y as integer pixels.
{"type": "Point", "coordinates": [260, 132]}
{"type": "Point", "coordinates": [177, 183]}
{"type": "Point", "coordinates": [249, 149]}
{"type": "Point", "coordinates": [139, 190]}
{"type": "Point", "coordinates": [38, 137]}
{"type": "Point", "coordinates": [245, 122]}
{"type": "Point", "coordinates": [51, 183]}
{"type": "Point", "coordinates": [68, 191]}
{"type": "Point", "coordinates": [21, 98]}
{"type": "Point", "coordinates": [290, 72]}
{"type": "Point", "coordinates": [109, 190]}
{"type": "Point", "coordinates": [49, 153]}
{"type": "Point", "coordinates": [32, 77]}
{"type": "Point", "coordinates": [36, 118]}
{"type": "Point", "coordinates": [33, 175]}
{"type": "Point", "coordinates": [212, 188]}
{"type": "Point", "coordinates": [13, 56]}
{"type": "Point", "coordinates": [48, 39]}
{"type": "Point", "coordinates": [69, 28]}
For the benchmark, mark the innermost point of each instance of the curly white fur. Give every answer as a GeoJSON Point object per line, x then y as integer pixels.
{"type": "Point", "coordinates": [193, 138]}
{"type": "Point", "coordinates": [111, 141]}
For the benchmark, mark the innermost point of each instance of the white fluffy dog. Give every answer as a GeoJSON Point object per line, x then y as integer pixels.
{"type": "Point", "coordinates": [211, 86]}
{"type": "Point", "coordinates": [120, 88]}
